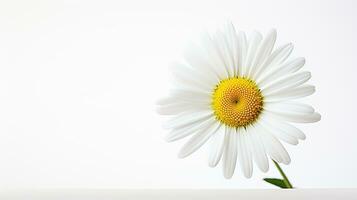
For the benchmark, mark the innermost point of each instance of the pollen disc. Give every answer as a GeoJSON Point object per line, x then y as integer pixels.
{"type": "Point", "coordinates": [237, 102]}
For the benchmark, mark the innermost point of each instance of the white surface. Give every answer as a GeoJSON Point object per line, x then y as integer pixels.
{"type": "Point", "coordinates": [164, 194]}
{"type": "Point", "coordinates": [78, 82]}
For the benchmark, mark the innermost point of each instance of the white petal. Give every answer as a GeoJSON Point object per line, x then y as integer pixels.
{"type": "Point", "coordinates": [242, 52]}
{"type": "Point", "coordinates": [253, 45]}
{"type": "Point", "coordinates": [290, 93]}
{"type": "Point", "coordinates": [267, 144]}
{"type": "Point", "coordinates": [165, 101]}
{"type": "Point", "coordinates": [290, 81]}
{"type": "Point", "coordinates": [225, 52]}
{"type": "Point", "coordinates": [198, 140]}
{"type": "Point", "coordinates": [174, 109]}
{"type": "Point", "coordinates": [281, 70]}
{"type": "Point", "coordinates": [180, 133]}
{"type": "Point", "coordinates": [191, 96]}
{"type": "Point", "coordinates": [277, 132]}
{"type": "Point", "coordinates": [263, 52]}
{"type": "Point", "coordinates": [215, 60]}
{"type": "Point", "coordinates": [244, 154]}
{"type": "Point", "coordinates": [287, 128]}
{"type": "Point", "coordinates": [258, 150]}
{"type": "Point", "coordinates": [187, 83]}
{"type": "Point", "coordinates": [233, 41]}
{"type": "Point", "coordinates": [230, 153]}
{"type": "Point", "coordinates": [280, 54]}
{"type": "Point", "coordinates": [298, 118]}
{"type": "Point", "coordinates": [183, 101]}
{"type": "Point", "coordinates": [187, 118]}
{"type": "Point", "coordinates": [276, 58]}
{"type": "Point", "coordinates": [289, 108]}
{"type": "Point", "coordinates": [186, 86]}
{"type": "Point", "coordinates": [196, 56]}
{"type": "Point", "coordinates": [272, 145]}
{"type": "Point", "coordinates": [190, 78]}
{"type": "Point", "coordinates": [217, 147]}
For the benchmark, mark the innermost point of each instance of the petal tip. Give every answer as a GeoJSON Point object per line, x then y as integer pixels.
{"type": "Point", "coordinates": [248, 175]}
{"type": "Point", "coordinates": [303, 60]}
{"type": "Point", "coordinates": [272, 32]}
{"type": "Point", "coordinates": [181, 155]}
{"type": "Point", "coordinates": [265, 169]}
{"type": "Point", "coordinates": [168, 139]}
{"type": "Point", "coordinates": [227, 176]}
{"type": "Point", "coordinates": [318, 116]}
{"type": "Point", "coordinates": [286, 161]}
{"type": "Point", "coordinates": [160, 111]}
{"type": "Point", "coordinates": [212, 165]}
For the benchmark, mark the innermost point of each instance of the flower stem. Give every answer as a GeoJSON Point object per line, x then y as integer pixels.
{"type": "Point", "coordinates": [285, 178]}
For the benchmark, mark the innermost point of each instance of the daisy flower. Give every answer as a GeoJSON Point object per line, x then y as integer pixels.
{"type": "Point", "coordinates": [238, 93]}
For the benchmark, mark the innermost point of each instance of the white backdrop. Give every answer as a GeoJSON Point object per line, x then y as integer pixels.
{"type": "Point", "coordinates": [78, 82]}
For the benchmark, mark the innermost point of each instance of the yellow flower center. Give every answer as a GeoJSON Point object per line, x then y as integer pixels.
{"type": "Point", "coordinates": [237, 102]}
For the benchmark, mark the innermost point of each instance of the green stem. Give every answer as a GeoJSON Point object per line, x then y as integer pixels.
{"type": "Point", "coordinates": [286, 180]}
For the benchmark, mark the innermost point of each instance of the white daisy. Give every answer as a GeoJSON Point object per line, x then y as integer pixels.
{"type": "Point", "coordinates": [239, 93]}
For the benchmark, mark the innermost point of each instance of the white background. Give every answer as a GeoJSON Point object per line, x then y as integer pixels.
{"type": "Point", "coordinates": [78, 82]}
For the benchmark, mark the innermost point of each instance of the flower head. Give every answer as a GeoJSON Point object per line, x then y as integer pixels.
{"type": "Point", "coordinates": [240, 94]}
